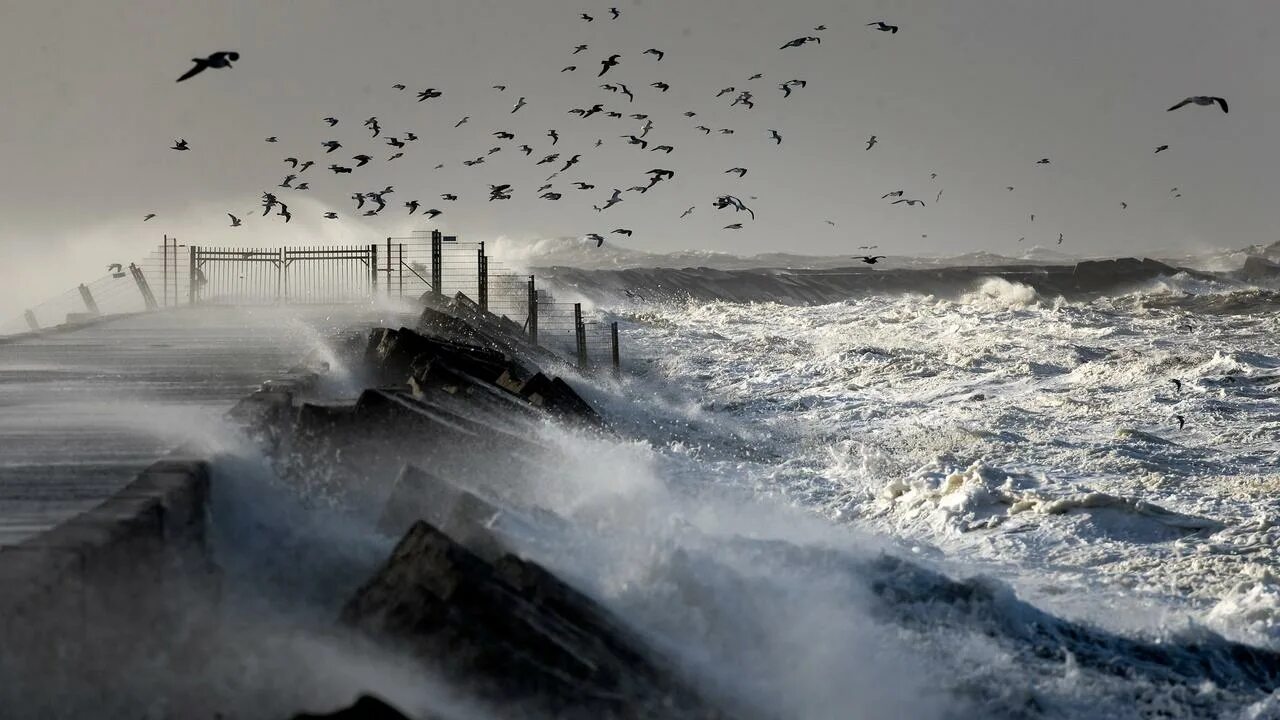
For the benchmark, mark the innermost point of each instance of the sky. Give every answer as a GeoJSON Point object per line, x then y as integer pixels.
{"type": "Point", "coordinates": [973, 91]}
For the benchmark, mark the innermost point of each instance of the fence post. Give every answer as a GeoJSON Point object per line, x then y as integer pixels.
{"type": "Point", "coordinates": [613, 339]}
{"type": "Point", "coordinates": [388, 267]}
{"type": "Point", "coordinates": [580, 335]}
{"type": "Point", "coordinates": [191, 274]}
{"type": "Point", "coordinates": [89, 303]}
{"type": "Point", "coordinates": [532, 321]}
{"type": "Point", "coordinates": [164, 275]}
{"type": "Point", "coordinates": [482, 277]}
{"type": "Point", "coordinates": [31, 321]}
{"type": "Point", "coordinates": [400, 268]}
{"type": "Point", "coordinates": [373, 269]}
{"type": "Point", "coordinates": [437, 252]}
{"type": "Point", "coordinates": [147, 297]}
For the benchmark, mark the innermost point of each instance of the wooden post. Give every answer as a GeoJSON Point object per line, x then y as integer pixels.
{"type": "Point", "coordinates": [482, 277]}
{"type": "Point", "coordinates": [147, 297]}
{"type": "Point", "coordinates": [580, 335]}
{"type": "Point", "coordinates": [31, 321]}
{"type": "Point", "coordinates": [373, 268]}
{"type": "Point", "coordinates": [191, 274]}
{"type": "Point", "coordinates": [388, 266]}
{"type": "Point", "coordinates": [437, 272]}
{"type": "Point", "coordinates": [532, 321]}
{"type": "Point", "coordinates": [617, 358]}
{"type": "Point", "coordinates": [89, 303]}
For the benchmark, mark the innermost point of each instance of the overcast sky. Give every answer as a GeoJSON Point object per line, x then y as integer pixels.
{"type": "Point", "coordinates": [974, 91]}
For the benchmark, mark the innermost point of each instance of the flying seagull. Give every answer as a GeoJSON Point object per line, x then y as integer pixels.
{"type": "Point", "coordinates": [332, 145]}
{"type": "Point", "coordinates": [331, 215]}
{"type": "Point", "coordinates": [598, 238]}
{"type": "Point", "coordinates": [1161, 149]}
{"type": "Point", "coordinates": [399, 86]}
{"type": "Point", "coordinates": [332, 121]}
{"type": "Point", "coordinates": [412, 205]}
{"type": "Point", "coordinates": [555, 136]}
{"type": "Point", "coordinates": [500, 88]}
{"type": "Point", "coordinates": [221, 59]}
{"type": "Point", "coordinates": [735, 226]}
{"type": "Point", "coordinates": [871, 142]}
{"type": "Point", "coordinates": [686, 213]}
{"type": "Point", "coordinates": [499, 192]}
{"type": "Point", "coordinates": [463, 121]}
{"type": "Point", "coordinates": [428, 94]}
{"type": "Point", "coordinates": [362, 159]}
{"type": "Point", "coordinates": [179, 144]}
{"type": "Point", "coordinates": [661, 86]}
{"type": "Point", "coordinates": [519, 104]}
{"type": "Point", "coordinates": [614, 12]}
{"type": "Point", "coordinates": [870, 259]}
{"type": "Point", "coordinates": [578, 49]}
{"type": "Point", "coordinates": [1042, 161]}
{"type": "Point", "coordinates": [235, 221]}
{"type": "Point", "coordinates": [1202, 100]}
{"type": "Point", "coordinates": [622, 231]}
{"type": "Point", "coordinates": [741, 171]}
{"type": "Point", "coordinates": [607, 64]}
{"type": "Point", "coordinates": [895, 193]}
{"type": "Point", "coordinates": [656, 53]}
{"type": "Point", "coordinates": [305, 165]}
{"type": "Point", "coordinates": [775, 136]}
{"type": "Point", "coordinates": [273, 138]}
{"type": "Point", "coordinates": [449, 196]}
{"type": "Point", "coordinates": [882, 26]}
{"type": "Point", "coordinates": [910, 203]}
{"type": "Point", "coordinates": [148, 216]}
{"type": "Point", "coordinates": [504, 135]}
{"type": "Point", "coordinates": [586, 17]}
{"type": "Point", "coordinates": [801, 41]}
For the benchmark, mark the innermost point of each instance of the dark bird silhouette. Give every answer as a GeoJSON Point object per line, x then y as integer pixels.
{"type": "Point", "coordinates": [399, 86]}
{"type": "Point", "coordinates": [870, 259]}
{"type": "Point", "coordinates": [1042, 161]}
{"type": "Point", "coordinates": [500, 88]}
{"type": "Point", "coordinates": [449, 196]}
{"type": "Point", "coordinates": [776, 137]}
{"type": "Point", "coordinates": [910, 203]}
{"type": "Point", "coordinates": [1182, 421]}
{"type": "Point", "coordinates": [744, 98]}
{"type": "Point", "coordinates": [1059, 238]}
{"type": "Point", "coordinates": [661, 86]}
{"type": "Point", "coordinates": [288, 181]}
{"type": "Point", "coordinates": [613, 200]}
{"type": "Point", "coordinates": [555, 136]}
{"type": "Point", "coordinates": [180, 144]}
{"type": "Point", "coordinates": [397, 156]}
{"type": "Point", "coordinates": [937, 199]}
{"type": "Point", "coordinates": [568, 68]}
{"type": "Point", "coordinates": [584, 186]}
{"type": "Point", "coordinates": [633, 140]}
{"type": "Point", "coordinates": [786, 86]}
{"type": "Point", "coordinates": [235, 222]}
{"type": "Point", "coordinates": [1124, 205]}
{"type": "Point", "coordinates": [409, 137]}
{"type": "Point", "coordinates": [499, 192]}
{"type": "Point", "coordinates": [686, 213]}
{"type": "Point", "coordinates": [526, 150]}
{"type": "Point", "coordinates": [519, 104]}
{"type": "Point", "coordinates": [412, 205]}
{"type": "Point", "coordinates": [725, 201]}
{"type": "Point", "coordinates": [586, 17]}
{"type": "Point", "coordinates": [395, 142]}
{"type": "Point", "coordinates": [1202, 100]}
{"type": "Point", "coordinates": [665, 148]}
{"type": "Point", "coordinates": [332, 145]}
{"type": "Point", "coordinates": [895, 193]}
{"type": "Point", "coordinates": [284, 212]}
{"type": "Point", "coordinates": [268, 201]}
{"type": "Point", "coordinates": [548, 159]}
{"type": "Point", "coordinates": [338, 169]}
{"type": "Point", "coordinates": [598, 238]}
{"type": "Point", "coordinates": [428, 94]}
{"type": "Point", "coordinates": [303, 186]}
{"type": "Point", "coordinates": [293, 162]}
{"type": "Point", "coordinates": [734, 226]}
{"type": "Point", "coordinates": [726, 131]}
{"type": "Point", "coordinates": [656, 53]}
{"type": "Point", "coordinates": [305, 165]}
{"type": "Point", "coordinates": [1177, 384]}
{"type": "Point", "coordinates": [332, 121]}
{"type": "Point", "coordinates": [463, 121]}
{"type": "Point", "coordinates": [148, 216]}
{"type": "Point", "coordinates": [614, 12]}
{"type": "Point", "coordinates": [725, 91]}
{"type": "Point", "coordinates": [607, 64]}
{"type": "Point", "coordinates": [757, 76]}
{"type": "Point", "coordinates": [550, 195]}
{"type": "Point", "coordinates": [470, 163]}
{"type": "Point", "coordinates": [578, 49]}
{"type": "Point", "coordinates": [801, 41]}
{"type": "Point", "coordinates": [221, 59]}
{"type": "Point", "coordinates": [882, 26]}
{"type": "Point", "coordinates": [613, 114]}
{"type": "Point", "coordinates": [432, 213]}
{"type": "Point", "coordinates": [273, 138]}
{"type": "Point", "coordinates": [359, 198]}
{"type": "Point", "coordinates": [1161, 149]}
{"type": "Point", "coordinates": [871, 142]}
{"type": "Point", "coordinates": [504, 135]}
{"type": "Point", "coordinates": [571, 162]}
{"type": "Point", "coordinates": [741, 171]}
{"type": "Point", "coordinates": [622, 231]}
{"type": "Point", "coordinates": [362, 159]}
{"type": "Point", "coordinates": [493, 150]}
{"type": "Point", "coordinates": [622, 88]}
{"type": "Point", "coordinates": [117, 267]}
{"type": "Point", "coordinates": [689, 113]}
{"type": "Point", "coordinates": [331, 215]}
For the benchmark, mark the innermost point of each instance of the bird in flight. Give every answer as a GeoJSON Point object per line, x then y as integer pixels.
{"type": "Point", "coordinates": [449, 196]}
{"type": "Point", "coordinates": [463, 121]}
{"type": "Point", "coordinates": [221, 59]}
{"type": "Point", "coordinates": [1161, 149]}
{"type": "Point", "coordinates": [895, 193]}
{"type": "Point", "coordinates": [412, 205]}
{"type": "Point", "coordinates": [519, 104]}
{"type": "Point", "coordinates": [499, 192]}
{"type": "Point", "coordinates": [741, 171]}
{"type": "Point", "coordinates": [910, 203]}
{"type": "Point", "coordinates": [504, 135]}
{"type": "Point", "coordinates": [555, 136]}
{"type": "Point", "coordinates": [235, 221]}
{"type": "Point", "coordinates": [883, 26]}
{"type": "Point", "coordinates": [870, 259]}
{"type": "Point", "coordinates": [744, 98]}
{"type": "Point", "coordinates": [1042, 161]}
{"type": "Point", "coordinates": [608, 64]}
{"type": "Point", "coordinates": [273, 138]}
{"type": "Point", "coordinates": [584, 186]}
{"type": "Point", "coordinates": [663, 87]}
{"type": "Point", "coordinates": [305, 165]}
{"type": "Point", "coordinates": [622, 231]}
{"type": "Point", "coordinates": [148, 216]}
{"type": "Point", "coordinates": [331, 215]}
{"type": "Point", "coordinates": [872, 142]}
{"type": "Point", "coordinates": [179, 144]}
{"type": "Point", "coordinates": [633, 140]}
{"type": "Point", "coordinates": [428, 94]}
{"type": "Point", "coordinates": [734, 226]}
{"type": "Point", "coordinates": [399, 86]}
{"type": "Point", "coordinates": [801, 41]}
{"type": "Point", "coordinates": [586, 17]}
{"type": "Point", "coordinates": [395, 142]}
{"type": "Point", "coordinates": [332, 121]}
{"type": "Point", "coordinates": [613, 200]}
{"type": "Point", "coordinates": [665, 148]}
{"type": "Point", "coordinates": [499, 88]}
{"type": "Point", "coordinates": [686, 213]}
{"type": "Point", "coordinates": [578, 49]}
{"type": "Point", "coordinates": [786, 86]}
{"type": "Point", "coordinates": [598, 238]}
{"type": "Point", "coordinates": [339, 170]}
{"type": "Point", "coordinates": [775, 136]}
{"type": "Point", "coordinates": [551, 196]}
{"type": "Point", "coordinates": [332, 145]}
{"type": "Point", "coordinates": [288, 181]}
{"type": "Point", "coordinates": [656, 53]}
{"type": "Point", "coordinates": [1202, 100]}
{"type": "Point", "coordinates": [362, 159]}
{"type": "Point", "coordinates": [1124, 205]}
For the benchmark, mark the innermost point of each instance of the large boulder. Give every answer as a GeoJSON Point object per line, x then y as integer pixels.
{"type": "Point", "coordinates": [366, 707]}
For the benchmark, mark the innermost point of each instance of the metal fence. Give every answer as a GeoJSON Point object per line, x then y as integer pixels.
{"type": "Point", "coordinates": [176, 274]}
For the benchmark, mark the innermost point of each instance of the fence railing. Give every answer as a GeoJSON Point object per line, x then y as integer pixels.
{"type": "Point", "coordinates": [176, 274]}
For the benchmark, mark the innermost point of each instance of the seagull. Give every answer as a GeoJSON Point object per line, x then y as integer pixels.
{"type": "Point", "coordinates": [428, 94]}
{"type": "Point", "coordinates": [633, 140]}
{"type": "Point", "coordinates": [1124, 206]}
{"type": "Point", "coordinates": [288, 181]}
{"type": "Point", "coordinates": [303, 186]}
{"type": "Point", "coordinates": [399, 86]}
{"type": "Point", "coordinates": [665, 148]}
{"type": "Point", "coordinates": [332, 121]}
{"type": "Point", "coordinates": [686, 213]}
{"type": "Point", "coordinates": [372, 124]}
{"type": "Point", "coordinates": [504, 135]}
{"type": "Point", "coordinates": [550, 158]}
{"type": "Point", "coordinates": [338, 169]}
{"type": "Point", "coordinates": [935, 200]}
{"type": "Point", "coordinates": [544, 187]}
{"type": "Point", "coordinates": [622, 231]}
{"type": "Point", "coordinates": [1202, 100]}
{"type": "Point", "coordinates": [622, 88]}
{"type": "Point", "coordinates": [895, 193]}
{"type": "Point", "coordinates": [757, 76]}
{"type": "Point", "coordinates": [584, 186]}
{"type": "Point", "coordinates": [586, 17]}
{"type": "Point", "coordinates": [1177, 384]}
{"type": "Point", "coordinates": [432, 213]}
{"type": "Point", "coordinates": [332, 145]}
{"type": "Point", "coordinates": [1009, 188]}
{"type": "Point", "coordinates": [359, 198]}
{"type": "Point", "coordinates": [551, 195]}
{"type": "Point", "coordinates": [268, 201]}
{"type": "Point", "coordinates": [801, 41]}
{"type": "Point", "coordinates": [410, 137]}
{"type": "Point", "coordinates": [648, 125]}
{"type": "Point", "coordinates": [607, 64]}
{"type": "Point", "coordinates": [331, 215]}
{"type": "Point", "coordinates": [726, 91]}
{"type": "Point", "coordinates": [500, 88]}
{"type": "Point", "coordinates": [293, 162]}
{"type": "Point", "coordinates": [743, 98]}
{"type": "Point", "coordinates": [571, 162]}
{"type": "Point", "coordinates": [871, 259]}
{"type": "Point", "coordinates": [397, 156]}
{"type": "Point", "coordinates": [526, 150]}
{"type": "Point", "coordinates": [613, 114]}
{"type": "Point", "coordinates": [470, 163]}
{"type": "Point", "coordinates": [519, 104]}
{"type": "Point", "coordinates": [735, 226]}
{"type": "Point", "coordinates": [449, 196]}
{"type": "Point", "coordinates": [395, 142]}
{"type": "Point", "coordinates": [725, 201]}
{"type": "Point", "coordinates": [661, 86]}
{"type": "Point", "coordinates": [273, 138]}
{"type": "Point", "coordinates": [598, 238]}
{"type": "Point", "coordinates": [362, 159]}
{"type": "Point", "coordinates": [613, 200]}
{"type": "Point", "coordinates": [220, 59]}
{"type": "Point", "coordinates": [463, 121]}
{"type": "Point", "coordinates": [1161, 149]}
{"type": "Point", "coordinates": [180, 144]}
{"type": "Point", "coordinates": [555, 136]}
{"type": "Point", "coordinates": [148, 216]}
{"type": "Point", "coordinates": [910, 203]}
{"type": "Point", "coordinates": [656, 53]}
{"type": "Point", "coordinates": [1182, 421]}
{"type": "Point", "coordinates": [871, 142]}
{"type": "Point", "coordinates": [579, 49]}
{"type": "Point", "coordinates": [284, 212]}
{"type": "Point", "coordinates": [786, 86]}
{"type": "Point", "coordinates": [305, 165]}
{"type": "Point", "coordinates": [726, 131]}
{"type": "Point", "coordinates": [831, 223]}
{"type": "Point", "coordinates": [412, 205]}
{"type": "Point", "coordinates": [882, 26]}
{"type": "Point", "coordinates": [1059, 238]}
{"type": "Point", "coordinates": [775, 136]}
{"type": "Point", "coordinates": [614, 12]}
{"type": "Point", "coordinates": [235, 222]}
{"type": "Point", "coordinates": [499, 192]}
{"type": "Point", "coordinates": [1042, 161]}
{"type": "Point", "coordinates": [741, 171]}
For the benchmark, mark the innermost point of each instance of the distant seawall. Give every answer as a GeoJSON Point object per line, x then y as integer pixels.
{"type": "Point", "coordinates": [811, 287]}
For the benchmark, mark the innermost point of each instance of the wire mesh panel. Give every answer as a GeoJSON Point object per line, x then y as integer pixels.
{"type": "Point", "coordinates": [329, 274]}
{"type": "Point", "coordinates": [236, 276]}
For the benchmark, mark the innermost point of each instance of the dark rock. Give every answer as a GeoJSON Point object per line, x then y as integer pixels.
{"type": "Point", "coordinates": [1259, 270]}
{"type": "Point", "coordinates": [420, 496]}
{"type": "Point", "coordinates": [366, 707]}
{"type": "Point", "coordinates": [513, 632]}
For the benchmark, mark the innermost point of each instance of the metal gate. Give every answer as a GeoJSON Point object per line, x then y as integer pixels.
{"type": "Point", "coordinates": [244, 276]}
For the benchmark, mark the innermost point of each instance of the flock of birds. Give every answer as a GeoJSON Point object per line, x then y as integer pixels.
{"type": "Point", "coordinates": [372, 202]}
